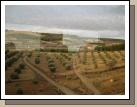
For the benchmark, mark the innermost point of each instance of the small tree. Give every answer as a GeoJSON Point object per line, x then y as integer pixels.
{"type": "Point", "coordinates": [37, 60]}
{"type": "Point", "coordinates": [53, 69]}
{"type": "Point", "coordinates": [22, 66]}
{"type": "Point", "coordinates": [51, 65]}
{"type": "Point", "coordinates": [50, 61]}
{"type": "Point", "coordinates": [14, 76]}
{"type": "Point", "coordinates": [30, 54]}
{"type": "Point", "coordinates": [18, 70]}
{"type": "Point", "coordinates": [34, 81]}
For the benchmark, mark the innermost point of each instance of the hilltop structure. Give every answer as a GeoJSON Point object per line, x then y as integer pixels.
{"type": "Point", "coordinates": [90, 44]}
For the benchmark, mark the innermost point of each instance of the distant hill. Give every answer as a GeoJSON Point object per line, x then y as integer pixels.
{"type": "Point", "coordinates": [23, 39]}
{"type": "Point", "coordinates": [112, 40]}
{"type": "Point", "coordinates": [21, 35]}
{"type": "Point", "coordinates": [35, 38]}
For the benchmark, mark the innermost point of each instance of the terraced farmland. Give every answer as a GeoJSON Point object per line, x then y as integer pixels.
{"type": "Point", "coordinates": [52, 73]}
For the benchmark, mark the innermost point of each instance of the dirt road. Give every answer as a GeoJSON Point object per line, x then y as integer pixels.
{"type": "Point", "coordinates": [84, 80]}
{"type": "Point", "coordinates": [65, 90]}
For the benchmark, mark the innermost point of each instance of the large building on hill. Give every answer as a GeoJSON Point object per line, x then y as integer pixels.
{"type": "Point", "coordinates": [22, 40]}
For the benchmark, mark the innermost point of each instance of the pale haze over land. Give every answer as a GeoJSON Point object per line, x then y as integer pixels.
{"type": "Point", "coordinates": [86, 21]}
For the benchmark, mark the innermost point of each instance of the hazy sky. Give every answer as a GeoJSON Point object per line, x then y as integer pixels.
{"type": "Point", "coordinates": [107, 20]}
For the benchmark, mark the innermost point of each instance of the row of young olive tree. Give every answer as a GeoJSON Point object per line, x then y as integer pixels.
{"type": "Point", "coordinates": [110, 61]}
{"type": "Point", "coordinates": [65, 60]}
{"type": "Point", "coordinates": [17, 71]}
{"type": "Point", "coordinates": [84, 61]}
{"type": "Point", "coordinates": [51, 63]}
{"type": "Point", "coordinates": [94, 59]}
{"type": "Point", "coordinates": [9, 54]}
{"type": "Point", "coordinates": [12, 59]}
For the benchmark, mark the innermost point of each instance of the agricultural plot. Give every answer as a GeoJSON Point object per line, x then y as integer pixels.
{"type": "Point", "coordinates": [82, 73]}
{"type": "Point", "coordinates": [20, 79]}
{"type": "Point", "coordinates": [64, 50]}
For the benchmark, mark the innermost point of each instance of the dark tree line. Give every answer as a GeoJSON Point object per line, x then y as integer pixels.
{"type": "Point", "coordinates": [12, 60]}
{"type": "Point", "coordinates": [54, 50]}
{"type": "Point", "coordinates": [116, 47]}
{"type": "Point", "coordinates": [51, 37]}
{"type": "Point", "coordinates": [9, 54]}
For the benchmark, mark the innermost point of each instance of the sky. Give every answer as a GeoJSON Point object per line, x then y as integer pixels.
{"type": "Point", "coordinates": [84, 20]}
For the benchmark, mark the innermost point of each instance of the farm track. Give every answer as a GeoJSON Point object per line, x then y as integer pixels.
{"type": "Point", "coordinates": [65, 90]}
{"type": "Point", "coordinates": [84, 80]}
{"type": "Point", "coordinates": [95, 71]}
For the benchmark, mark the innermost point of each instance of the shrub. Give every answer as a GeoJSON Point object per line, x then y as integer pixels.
{"type": "Point", "coordinates": [18, 70]}
{"type": "Point", "coordinates": [35, 81]}
{"type": "Point", "coordinates": [22, 66]}
{"type": "Point", "coordinates": [51, 65]}
{"type": "Point", "coordinates": [103, 58]}
{"type": "Point", "coordinates": [19, 91]}
{"type": "Point", "coordinates": [17, 85]}
{"type": "Point", "coordinates": [94, 59]}
{"type": "Point", "coordinates": [30, 54]}
{"type": "Point", "coordinates": [50, 61]}
{"type": "Point", "coordinates": [11, 60]}
{"type": "Point", "coordinates": [14, 76]}
{"type": "Point", "coordinates": [53, 69]}
{"type": "Point", "coordinates": [11, 54]}
{"type": "Point", "coordinates": [69, 58]}
{"type": "Point", "coordinates": [9, 63]}
{"type": "Point", "coordinates": [37, 60]}
{"type": "Point", "coordinates": [64, 63]}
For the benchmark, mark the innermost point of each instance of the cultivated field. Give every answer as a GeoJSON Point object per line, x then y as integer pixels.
{"type": "Point", "coordinates": [51, 73]}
